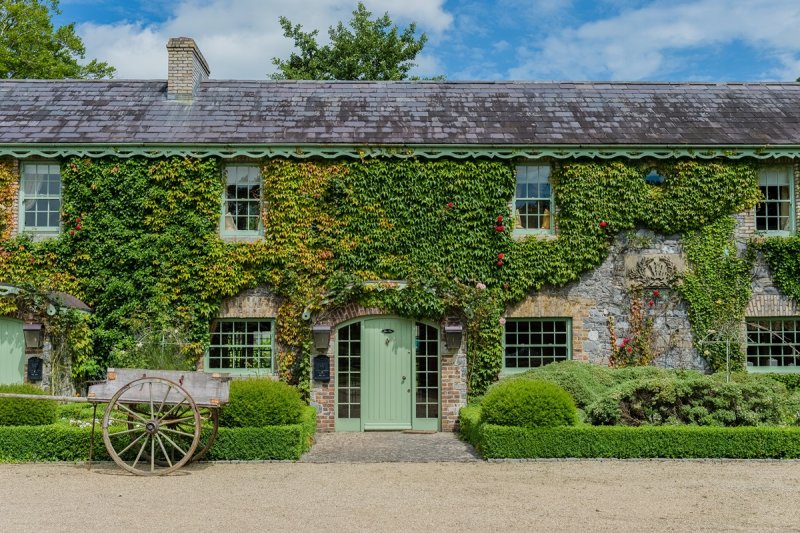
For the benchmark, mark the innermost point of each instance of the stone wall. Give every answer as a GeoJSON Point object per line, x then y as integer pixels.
{"type": "Point", "coordinates": [605, 292]}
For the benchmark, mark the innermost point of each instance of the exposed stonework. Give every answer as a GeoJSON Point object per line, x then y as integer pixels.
{"type": "Point", "coordinates": [605, 292]}
{"type": "Point", "coordinates": [252, 303]}
{"type": "Point", "coordinates": [653, 270]}
{"type": "Point", "coordinates": [768, 305]}
{"type": "Point", "coordinates": [186, 68]}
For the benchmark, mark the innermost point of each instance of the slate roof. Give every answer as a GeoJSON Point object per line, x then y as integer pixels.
{"type": "Point", "coordinates": [410, 113]}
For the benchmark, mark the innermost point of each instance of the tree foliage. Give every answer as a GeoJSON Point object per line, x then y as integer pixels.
{"type": "Point", "coordinates": [366, 50]}
{"type": "Point", "coordinates": [31, 47]}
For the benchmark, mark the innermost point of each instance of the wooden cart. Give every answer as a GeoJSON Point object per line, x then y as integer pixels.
{"type": "Point", "coordinates": [155, 421]}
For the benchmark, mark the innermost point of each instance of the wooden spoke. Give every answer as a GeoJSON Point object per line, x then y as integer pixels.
{"type": "Point", "coordinates": [155, 440]}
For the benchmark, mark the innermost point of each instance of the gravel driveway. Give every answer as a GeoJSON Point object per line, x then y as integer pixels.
{"type": "Point", "coordinates": [476, 496]}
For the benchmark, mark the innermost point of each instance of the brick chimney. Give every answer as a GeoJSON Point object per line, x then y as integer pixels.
{"type": "Point", "coordinates": [186, 68]}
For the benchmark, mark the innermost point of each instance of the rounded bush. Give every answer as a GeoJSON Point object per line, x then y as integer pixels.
{"type": "Point", "coordinates": [585, 382]}
{"type": "Point", "coordinates": [528, 403]}
{"type": "Point", "coordinates": [262, 402]}
{"type": "Point", "coordinates": [26, 412]}
{"type": "Point", "coordinates": [691, 398]}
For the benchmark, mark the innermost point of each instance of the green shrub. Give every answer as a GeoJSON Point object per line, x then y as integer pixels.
{"type": "Point", "coordinates": [528, 403]}
{"type": "Point", "coordinates": [283, 442]}
{"type": "Point", "coordinates": [691, 398]}
{"type": "Point", "coordinates": [790, 381]}
{"type": "Point", "coordinates": [640, 442]}
{"type": "Point", "coordinates": [262, 402]}
{"type": "Point", "coordinates": [25, 412]}
{"type": "Point", "coordinates": [585, 382]}
{"type": "Point", "coordinates": [469, 422]}
{"type": "Point", "coordinates": [63, 442]}
{"type": "Point", "coordinates": [56, 442]}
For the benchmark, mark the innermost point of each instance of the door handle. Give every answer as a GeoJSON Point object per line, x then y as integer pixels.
{"type": "Point", "coordinates": [404, 378]}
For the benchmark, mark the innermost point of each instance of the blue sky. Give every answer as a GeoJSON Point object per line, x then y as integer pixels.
{"type": "Point", "coordinates": [670, 40]}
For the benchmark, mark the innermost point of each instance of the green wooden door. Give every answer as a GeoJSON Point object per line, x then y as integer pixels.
{"type": "Point", "coordinates": [12, 351]}
{"type": "Point", "coordinates": [387, 383]}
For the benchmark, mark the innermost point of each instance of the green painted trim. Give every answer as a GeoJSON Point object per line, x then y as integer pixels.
{"type": "Point", "coordinates": [37, 233]}
{"type": "Point", "coordinates": [355, 424]}
{"type": "Point", "coordinates": [505, 371]}
{"type": "Point", "coordinates": [255, 372]}
{"type": "Point", "coordinates": [425, 424]}
{"type": "Point", "coordinates": [345, 424]}
{"type": "Point", "coordinates": [773, 369]}
{"type": "Point", "coordinates": [428, 151]}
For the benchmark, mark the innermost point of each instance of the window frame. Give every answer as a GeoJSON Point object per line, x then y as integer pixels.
{"type": "Point", "coordinates": [265, 370]}
{"type": "Point", "coordinates": [42, 231]}
{"type": "Point", "coordinates": [788, 170]}
{"type": "Point", "coordinates": [237, 233]}
{"type": "Point", "coordinates": [568, 345]}
{"type": "Point", "coordinates": [551, 199]}
{"type": "Point", "coordinates": [771, 369]}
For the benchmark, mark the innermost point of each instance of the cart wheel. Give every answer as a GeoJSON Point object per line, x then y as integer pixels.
{"type": "Point", "coordinates": [151, 426]}
{"type": "Point", "coordinates": [208, 434]}
{"type": "Point", "coordinates": [209, 426]}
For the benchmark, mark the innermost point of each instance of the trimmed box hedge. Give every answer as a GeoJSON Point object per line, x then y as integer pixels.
{"type": "Point", "coordinates": [61, 442]}
{"type": "Point", "coordinates": [623, 442]}
{"type": "Point", "coordinates": [270, 442]}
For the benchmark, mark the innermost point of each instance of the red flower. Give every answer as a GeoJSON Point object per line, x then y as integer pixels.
{"type": "Point", "coordinates": [450, 205]}
{"type": "Point", "coordinates": [500, 218]}
{"type": "Point", "coordinates": [656, 294]}
{"type": "Point", "coordinates": [72, 232]}
{"type": "Point", "coordinates": [78, 226]}
{"type": "Point", "coordinates": [651, 303]}
{"type": "Point", "coordinates": [499, 263]}
{"type": "Point", "coordinates": [500, 256]}
{"type": "Point", "coordinates": [603, 224]}
{"type": "Point", "coordinates": [500, 228]}
{"type": "Point", "coordinates": [629, 348]}
{"type": "Point", "coordinates": [78, 220]}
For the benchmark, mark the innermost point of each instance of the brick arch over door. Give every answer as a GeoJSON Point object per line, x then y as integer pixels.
{"type": "Point", "coordinates": [452, 370]}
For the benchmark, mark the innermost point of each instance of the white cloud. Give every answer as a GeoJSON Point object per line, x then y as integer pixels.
{"type": "Point", "coordinates": [638, 43]}
{"type": "Point", "coordinates": [427, 66]}
{"type": "Point", "coordinates": [239, 38]}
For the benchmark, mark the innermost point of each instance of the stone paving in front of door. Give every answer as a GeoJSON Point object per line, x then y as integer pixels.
{"type": "Point", "coordinates": [389, 447]}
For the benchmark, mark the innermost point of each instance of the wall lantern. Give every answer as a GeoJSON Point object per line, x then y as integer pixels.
{"type": "Point", "coordinates": [452, 336]}
{"type": "Point", "coordinates": [34, 335]}
{"type": "Point", "coordinates": [322, 336]}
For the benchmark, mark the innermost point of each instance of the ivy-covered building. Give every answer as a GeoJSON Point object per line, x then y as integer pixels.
{"type": "Point", "coordinates": [391, 247]}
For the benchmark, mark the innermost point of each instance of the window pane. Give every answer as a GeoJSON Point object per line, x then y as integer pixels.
{"type": "Point", "coordinates": [532, 343]}
{"type": "Point", "coordinates": [775, 212]}
{"type": "Point", "coordinates": [533, 201]}
{"type": "Point", "coordinates": [241, 344]}
{"type": "Point", "coordinates": [773, 343]}
{"type": "Point", "coordinates": [41, 191]}
{"type": "Point", "coordinates": [243, 199]}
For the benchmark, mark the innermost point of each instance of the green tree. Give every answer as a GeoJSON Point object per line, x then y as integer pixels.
{"type": "Point", "coordinates": [30, 47]}
{"type": "Point", "coordinates": [366, 50]}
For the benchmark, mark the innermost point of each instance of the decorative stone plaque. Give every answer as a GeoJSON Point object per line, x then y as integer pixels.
{"type": "Point", "coordinates": [653, 271]}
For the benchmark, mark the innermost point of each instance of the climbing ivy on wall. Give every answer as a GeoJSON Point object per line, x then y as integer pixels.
{"type": "Point", "coordinates": [717, 289]}
{"type": "Point", "coordinates": [140, 240]}
{"type": "Point", "coordinates": [8, 191]}
{"type": "Point", "coordinates": [782, 254]}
